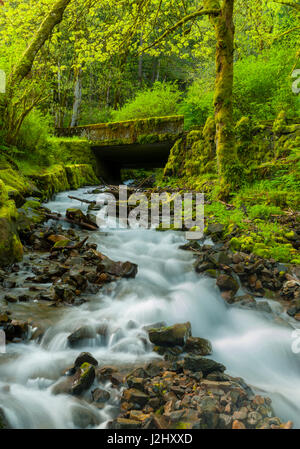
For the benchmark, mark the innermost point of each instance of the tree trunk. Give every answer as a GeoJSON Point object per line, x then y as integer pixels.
{"type": "Point", "coordinates": [54, 17]}
{"type": "Point", "coordinates": [77, 98]}
{"type": "Point", "coordinates": [228, 164]}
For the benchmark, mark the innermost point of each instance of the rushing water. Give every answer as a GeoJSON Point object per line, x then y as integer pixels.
{"type": "Point", "coordinates": [250, 344]}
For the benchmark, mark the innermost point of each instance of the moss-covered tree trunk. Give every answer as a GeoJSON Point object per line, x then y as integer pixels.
{"type": "Point", "coordinates": [10, 117]}
{"type": "Point", "coordinates": [228, 164]}
{"type": "Point", "coordinates": [54, 17]}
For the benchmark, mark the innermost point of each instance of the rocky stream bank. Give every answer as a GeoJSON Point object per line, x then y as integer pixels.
{"type": "Point", "coordinates": [182, 387]}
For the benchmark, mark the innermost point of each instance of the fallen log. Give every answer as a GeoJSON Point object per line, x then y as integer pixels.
{"type": "Point", "coordinates": [81, 199]}
{"type": "Point", "coordinates": [83, 225]}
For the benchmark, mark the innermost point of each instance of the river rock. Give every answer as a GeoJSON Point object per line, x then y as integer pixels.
{"type": "Point", "coordinates": [100, 396]}
{"type": "Point", "coordinates": [226, 282]}
{"type": "Point", "coordinates": [197, 345]}
{"type": "Point", "coordinates": [83, 379]}
{"type": "Point", "coordinates": [198, 363]}
{"type": "Point", "coordinates": [175, 335]}
{"type": "Point", "coordinates": [10, 298]}
{"type": "Point", "coordinates": [75, 214]}
{"type": "Point", "coordinates": [84, 332]}
{"type": "Point", "coordinates": [84, 417]}
{"type": "Point", "coordinates": [122, 269]}
{"type": "Point", "coordinates": [85, 357]}
{"type": "Point", "coordinates": [132, 395]}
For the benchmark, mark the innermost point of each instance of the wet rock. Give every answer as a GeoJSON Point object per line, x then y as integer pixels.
{"type": "Point", "coordinates": [136, 382]}
{"type": "Point", "coordinates": [24, 298]}
{"type": "Point", "coordinates": [84, 417]}
{"type": "Point", "coordinates": [104, 374]}
{"type": "Point", "coordinates": [85, 357]}
{"type": "Point", "coordinates": [291, 289]}
{"type": "Point", "coordinates": [100, 396]}
{"type": "Point", "coordinates": [83, 379]}
{"type": "Point", "coordinates": [117, 379]}
{"type": "Point", "coordinates": [176, 335]}
{"type": "Point", "coordinates": [125, 423]}
{"type": "Point", "coordinates": [10, 298]}
{"type": "Point", "coordinates": [198, 363]}
{"type": "Point", "coordinates": [76, 337]}
{"type": "Point", "coordinates": [238, 425]}
{"type": "Point", "coordinates": [226, 282]}
{"type": "Point", "coordinates": [75, 214]}
{"type": "Point", "coordinates": [15, 330]}
{"type": "Point", "coordinates": [122, 269]}
{"type": "Point", "coordinates": [134, 396]}
{"type": "Point", "coordinates": [65, 292]}
{"type": "Point", "coordinates": [215, 230]}
{"type": "Point", "coordinates": [3, 421]}
{"type": "Point", "coordinates": [197, 345]}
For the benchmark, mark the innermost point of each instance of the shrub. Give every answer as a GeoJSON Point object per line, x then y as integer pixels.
{"type": "Point", "coordinates": [263, 211]}
{"type": "Point", "coordinates": [33, 140]}
{"type": "Point", "coordinates": [197, 105]}
{"type": "Point", "coordinates": [160, 100]}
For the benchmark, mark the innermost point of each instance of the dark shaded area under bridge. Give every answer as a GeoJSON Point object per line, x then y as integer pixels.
{"type": "Point", "coordinates": [143, 143]}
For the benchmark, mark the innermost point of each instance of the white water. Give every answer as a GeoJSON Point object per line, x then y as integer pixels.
{"type": "Point", "coordinates": [250, 344]}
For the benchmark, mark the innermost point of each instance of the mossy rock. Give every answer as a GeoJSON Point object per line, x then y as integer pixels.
{"type": "Point", "coordinates": [51, 180]}
{"type": "Point", "coordinates": [11, 249]}
{"type": "Point", "coordinates": [176, 335]}
{"type": "Point", "coordinates": [80, 175]}
{"type": "Point", "coordinates": [17, 185]}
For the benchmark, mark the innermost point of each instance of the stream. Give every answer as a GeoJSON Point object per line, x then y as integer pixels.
{"type": "Point", "coordinates": [249, 343]}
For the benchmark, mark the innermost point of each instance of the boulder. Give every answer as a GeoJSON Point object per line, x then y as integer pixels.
{"type": "Point", "coordinates": [198, 363]}
{"type": "Point", "coordinates": [83, 379]}
{"type": "Point", "coordinates": [175, 335]}
{"type": "Point", "coordinates": [122, 269]}
{"type": "Point", "coordinates": [227, 282]}
{"type": "Point", "coordinates": [85, 357]}
{"type": "Point", "coordinates": [134, 396]}
{"type": "Point", "coordinates": [125, 423]}
{"type": "Point", "coordinates": [197, 345]}
{"type": "Point", "coordinates": [84, 332]}
{"type": "Point", "coordinates": [100, 396]}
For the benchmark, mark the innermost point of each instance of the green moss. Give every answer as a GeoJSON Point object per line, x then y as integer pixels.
{"type": "Point", "coordinates": [61, 243]}
{"type": "Point", "coordinates": [80, 175]}
{"type": "Point", "coordinates": [11, 249]}
{"type": "Point", "coordinates": [3, 193]}
{"type": "Point", "coordinates": [184, 425]}
{"type": "Point", "coordinates": [59, 178]}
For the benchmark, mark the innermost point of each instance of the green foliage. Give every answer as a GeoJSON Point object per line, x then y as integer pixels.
{"type": "Point", "coordinates": [262, 85]}
{"type": "Point", "coordinates": [90, 115]}
{"type": "Point", "coordinates": [160, 100]}
{"type": "Point", "coordinates": [34, 139]}
{"type": "Point", "coordinates": [197, 104]}
{"type": "Point", "coordinates": [263, 211]}
{"type": "Point", "coordinates": [262, 88]}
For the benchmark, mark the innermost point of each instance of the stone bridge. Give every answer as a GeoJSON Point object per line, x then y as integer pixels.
{"type": "Point", "coordinates": [143, 143]}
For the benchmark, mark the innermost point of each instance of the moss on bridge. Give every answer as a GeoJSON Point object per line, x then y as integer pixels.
{"type": "Point", "coordinates": [148, 130]}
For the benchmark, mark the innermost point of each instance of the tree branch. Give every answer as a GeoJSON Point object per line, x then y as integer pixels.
{"type": "Point", "coordinates": [285, 33]}
{"type": "Point", "coordinates": [200, 12]}
{"type": "Point", "coordinates": [53, 18]}
{"type": "Point", "coordinates": [292, 5]}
